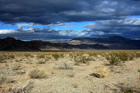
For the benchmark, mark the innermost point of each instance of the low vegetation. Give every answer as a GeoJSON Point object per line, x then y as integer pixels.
{"type": "Point", "coordinates": [25, 66]}
{"type": "Point", "coordinates": [37, 74]}
{"type": "Point", "coordinates": [101, 72]}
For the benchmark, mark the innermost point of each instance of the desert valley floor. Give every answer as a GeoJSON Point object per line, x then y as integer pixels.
{"type": "Point", "coordinates": [99, 71]}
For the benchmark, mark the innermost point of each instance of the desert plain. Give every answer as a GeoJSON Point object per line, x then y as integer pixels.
{"type": "Point", "coordinates": [89, 71]}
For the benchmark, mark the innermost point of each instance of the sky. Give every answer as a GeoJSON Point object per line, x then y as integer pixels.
{"type": "Point", "coordinates": [68, 19]}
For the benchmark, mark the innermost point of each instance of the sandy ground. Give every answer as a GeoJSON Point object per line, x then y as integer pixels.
{"type": "Point", "coordinates": [79, 79]}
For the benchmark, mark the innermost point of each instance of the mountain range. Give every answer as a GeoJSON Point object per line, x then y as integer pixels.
{"type": "Point", "coordinates": [113, 42]}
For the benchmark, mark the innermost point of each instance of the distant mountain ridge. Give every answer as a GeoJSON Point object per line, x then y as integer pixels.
{"type": "Point", "coordinates": [116, 42]}
{"type": "Point", "coordinates": [11, 44]}
{"type": "Point", "coordinates": [113, 42]}
{"type": "Point", "coordinates": [112, 39]}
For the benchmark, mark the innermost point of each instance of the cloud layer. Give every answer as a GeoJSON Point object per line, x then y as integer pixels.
{"type": "Point", "coordinates": [110, 17]}
{"type": "Point", "coordinates": [53, 11]}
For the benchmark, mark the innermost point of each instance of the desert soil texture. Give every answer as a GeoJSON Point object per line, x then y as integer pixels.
{"type": "Point", "coordinates": [91, 71]}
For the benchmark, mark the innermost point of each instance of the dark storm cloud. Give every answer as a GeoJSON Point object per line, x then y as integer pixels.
{"type": "Point", "coordinates": [128, 27]}
{"type": "Point", "coordinates": [53, 11]}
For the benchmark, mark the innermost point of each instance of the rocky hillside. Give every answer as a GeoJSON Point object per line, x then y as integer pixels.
{"type": "Point", "coordinates": [11, 44]}
{"type": "Point", "coordinates": [113, 42]}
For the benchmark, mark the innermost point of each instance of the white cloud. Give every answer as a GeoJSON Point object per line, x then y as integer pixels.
{"type": "Point", "coordinates": [20, 25]}
{"type": "Point", "coordinates": [7, 31]}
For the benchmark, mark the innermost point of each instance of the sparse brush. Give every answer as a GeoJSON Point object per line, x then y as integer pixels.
{"type": "Point", "coordinates": [81, 59]}
{"type": "Point", "coordinates": [17, 89]}
{"type": "Point", "coordinates": [20, 72]}
{"type": "Point", "coordinates": [92, 54]}
{"type": "Point", "coordinates": [56, 56]}
{"type": "Point", "coordinates": [113, 60]}
{"type": "Point", "coordinates": [138, 54]}
{"type": "Point", "coordinates": [131, 57]}
{"type": "Point", "coordinates": [101, 72]}
{"type": "Point", "coordinates": [1, 59]}
{"type": "Point", "coordinates": [41, 61]}
{"type": "Point", "coordinates": [125, 91]}
{"type": "Point", "coordinates": [61, 55]}
{"type": "Point", "coordinates": [130, 90]}
{"type": "Point", "coordinates": [2, 79]}
{"type": "Point", "coordinates": [123, 56]}
{"type": "Point", "coordinates": [28, 55]}
{"type": "Point", "coordinates": [15, 67]}
{"type": "Point", "coordinates": [37, 74]}
{"type": "Point", "coordinates": [71, 75]}
{"type": "Point", "coordinates": [138, 70]}
{"type": "Point", "coordinates": [11, 56]}
{"type": "Point", "coordinates": [41, 56]}
{"type": "Point", "coordinates": [48, 58]}
{"type": "Point", "coordinates": [65, 66]}
{"type": "Point", "coordinates": [75, 85]}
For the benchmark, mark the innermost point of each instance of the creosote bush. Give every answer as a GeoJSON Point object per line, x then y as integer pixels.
{"type": "Point", "coordinates": [113, 60]}
{"type": "Point", "coordinates": [37, 74]}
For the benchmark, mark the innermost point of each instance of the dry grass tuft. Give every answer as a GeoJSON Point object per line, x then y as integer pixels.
{"type": "Point", "coordinates": [65, 66]}
{"type": "Point", "coordinates": [71, 75]}
{"type": "Point", "coordinates": [101, 72]}
{"type": "Point", "coordinates": [15, 67]}
{"type": "Point", "coordinates": [41, 61]}
{"type": "Point", "coordinates": [37, 74]}
{"type": "Point", "coordinates": [75, 85]}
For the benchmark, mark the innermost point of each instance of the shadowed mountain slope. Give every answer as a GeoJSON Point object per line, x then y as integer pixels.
{"type": "Point", "coordinates": [11, 44]}
{"type": "Point", "coordinates": [113, 42]}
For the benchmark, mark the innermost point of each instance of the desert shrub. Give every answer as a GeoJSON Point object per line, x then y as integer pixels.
{"type": "Point", "coordinates": [71, 75]}
{"type": "Point", "coordinates": [28, 55]}
{"type": "Point", "coordinates": [20, 72]}
{"type": "Point", "coordinates": [123, 56]}
{"type": "Point", "coordinates": [11, 56]}
{"type": "Point", "coordinates": [81, 59]}
{"type": "Point", "coordinates": [93, 54]}
{"type": "Point", "coordinates": [101, 72]}
{"type": "Point", "coordinates": [37, 74]}
{"type": "Point", "coordinates": [2, 79]}
{"type": "Point", "coordinates": [138, 54]}
{"type": "Point", "coordinates": [113, 60]}
{"type": "Point", "coordinates": [41, 56]}
{"type": "Point", "coordinates": [17, 89]}
{"type": "Point", "coordinates": [127, 91]}
{"type": "Point", "coordinates": [75, 85]}
{"type": "Point", "coordinates": [138, 70]}
{"type": "Point", "coordinates": [56, 56]}
{"type": "Point", "coordinates": [131, 57]}
{"type": "Point", "coordinates": [15, 67]}
{"type": "Point", "coordinates": [61, 55]}
{"type": "Point", "coordinates": [1, 59]}
{"type": "Point", "coordinates": [130, 90]}
{"type": "Point", "coordinates": [41, 62]}
{"type": "Point", "coordinates": [65, 66]}
{"type": "Point", "coordinates": [47, 58]}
